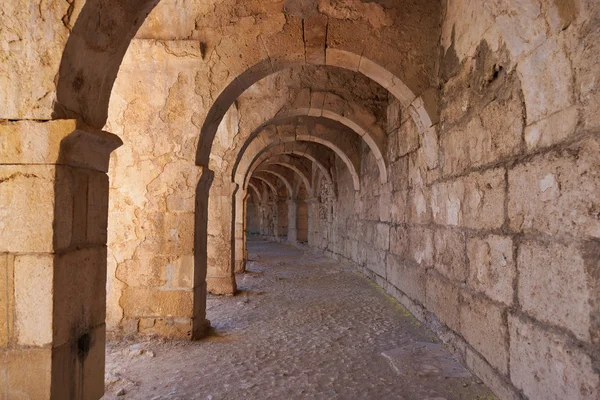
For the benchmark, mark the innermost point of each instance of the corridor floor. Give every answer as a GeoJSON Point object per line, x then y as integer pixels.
{"type": "Point", "coordinates": [303, 326]}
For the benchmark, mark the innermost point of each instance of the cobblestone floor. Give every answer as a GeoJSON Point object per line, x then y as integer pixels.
{"type": "Point", "coordinates": [302, 327]}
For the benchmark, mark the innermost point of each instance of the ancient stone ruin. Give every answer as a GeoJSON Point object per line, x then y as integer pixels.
{"type": "Point", "coordinates": [447, 149]}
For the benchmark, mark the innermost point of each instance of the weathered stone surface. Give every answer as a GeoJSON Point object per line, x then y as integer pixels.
{"type": "Point", "coordinates": [406, 277]}
{"type": "Point", "coordinates": [484, 326]}
{"type": "Point", "coordinates": [492, 269]}
{"type": "Point", "coordinates": [30, 58]}
{"type": "Point", "coordinates": [475, 201]}
{"type": "Point", "coordinates": [147, 302]}
{"type": "Point", "coordinates": [494, 134]}
{"type": "Point", "coordinates": [553, 129]}
{"type": "Point", "coordinates": [450, 255]}
{"type": "Point", "coordinates": [421, 245]}
{"type": "Point", "coordinates": [26, 188]}
{"type": "Point", "coordinates": [443, 300]}
{"type": "Point", "coordinates": [554, 286]}
{"type": "Point", "coordinates": [545, 366]}
{"type": "Point", "coordinates": [33, 313]}
{"type": "Point", "coordinates": [547, 80]}
{"type": "Point", "coordinates": [28, 373]}
{"type": "Point", "coordinates": [557, 193]}
{"type": "Point", "coordinates": [6, 298]}
{"type": "Point", "coordinates": [399, 241]}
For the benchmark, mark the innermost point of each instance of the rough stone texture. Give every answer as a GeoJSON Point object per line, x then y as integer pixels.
{"type": "Point", "coordinates": [492, 269]}
{"type": "Point", "coordinates": [459, 171]}
{"type": "Point", "coordinates": [554, 286]}
{"type": "Point", "coordinates": [293, 332]}
{"type": "Point", "coordinates": [557, 193]}
{"type": "Point", "coordinates": [544, 365]}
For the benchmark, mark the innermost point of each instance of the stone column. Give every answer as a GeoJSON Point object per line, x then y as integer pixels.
{"type": "Point", "coordinates": [292, 231]}
{"type": "Point", "coordinates": [200, 324]}
{"type": "Point", "coordinates": [220, 277]}
{"type": "Point", "coordinates": [53, 233]}
{"type": "Point", "coordinates": [240, 218]}
{"type": "Point", "coordinates": [245, 232]}
{"type": "Point", "coordinates": [313, 218]}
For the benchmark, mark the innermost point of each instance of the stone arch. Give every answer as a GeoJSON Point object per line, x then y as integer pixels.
{"type": "Point", "coordinates": [256, 191]}
{"type": "Point", "coordinates": [284, 179]}
{"type": "Point", "coordinates": [337, 58]}
{"type": "Point", "coordinates": [295, 165]}
{"type": "Point", "coordinates": [345, 149]}
{"type": "Point", "coordinates": [268, 183]}
{"type": "Point", "coordinates": [352, 115]}
{"type": "Point", "coordinates": [315, 153]}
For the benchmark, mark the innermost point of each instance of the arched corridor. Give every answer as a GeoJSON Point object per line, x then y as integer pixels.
{"type": "Point", "coordinates": [448, 151]}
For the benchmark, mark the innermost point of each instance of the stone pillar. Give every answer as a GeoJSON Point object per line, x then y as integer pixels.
{"type": "Point", "coordinates": [220, 277]}
{"type": "Point", "coordinates": [292, 231]}
{"type": "Point", "coordinates": [53, 233]}
{"type": "Point", "coordinates": [313, 218]}
{"type": "Point", "coordinates": [240, 222]}
{"type": "Point", "coordinates": [245, 232]}
{"type": "Point", "coordinates": [200, 324]}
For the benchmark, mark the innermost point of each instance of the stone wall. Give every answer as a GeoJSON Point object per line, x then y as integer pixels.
{"type": "Point", "coordinates": [489, 228]}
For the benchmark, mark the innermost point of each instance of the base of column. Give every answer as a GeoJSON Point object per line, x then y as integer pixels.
{"type": "Point", "coordinates": [200, 329]}
{"type": "Point", "coordinates": [240, 266]}
{"type": "Point", "coordinates": [222, 285]}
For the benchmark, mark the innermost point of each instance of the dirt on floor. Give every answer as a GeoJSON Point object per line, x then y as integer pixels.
{"type": "Point", "coordinates": [302, 327]}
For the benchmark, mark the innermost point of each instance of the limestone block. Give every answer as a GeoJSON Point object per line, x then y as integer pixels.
{"type": "Point", "coordinates": [386, 201]}
{"type": "Point", "coordinates": [475, 201]}
{"type": "Point", "coordinates": [166, 327]}
{"type": "Point", "coordinates": [80, 304]}
{"type": "Point", "coordinates": [545, 366]}
{"type": "Point", "coordinates": [180, 272]}
{"type": "Point", "coordinates": [33, 318]}
{"type": "Point", "coordinates": [493, 134]}
{"type": "Point", "coordinates": [442, 300]}
{"type": "Point", "coordinates": [557, 193]}
{"type": "Point", "coordinates": [408, 138]}
{"type": "Point", "coordinates": [521, 23]}
{"type": "Point", "coordinates": [7, 301]}
{"type": "Point", "coordinates": [144, 302]}
{"type": "Point", "coordinates": [554, 286]}
{"type": "Point", "coordinates": [172, 19]}
{"type": "Point", "coordinates": [382, 236]}
{"type": "Point", "coordinates": [31, 142]}
{"type": "Point", "coordinates": [463, 36]}
{"type": "Point", "coordinates": [483, 325]}
{"type": "Point", "coordinates": [28, 373]}
{"type": "Point", "coordinates": [399, 174]}
{"type": "Point", "coordinates": [406, 277]}
{"type": "Point", "coordinates": [421, 245]}
{"type": "Point", "coordinates": [376, 261]}
{"type": "Point", "coordinates": [419, 203]}
{"type": "Point", "coordinates": [30, 58]}
{"type": "Point", "coordinates": [553, 129]}
{"type": "Point", "coordinates": [450, 257]}
{"type": "Point", "coordinates": [394, 115]}
{"type": "Point", "coordinates": [145, 270]}
{"type": "Point", "coordinates": [399, 241]}
{"type": "Point", "coordinates": [497, 384]}
{"type": "Point", "coordinates": [492, 269]}
{"type": "Point", "coordinates": [26, 188]}
{"type": "Point", "coordinates": [547, 80]}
